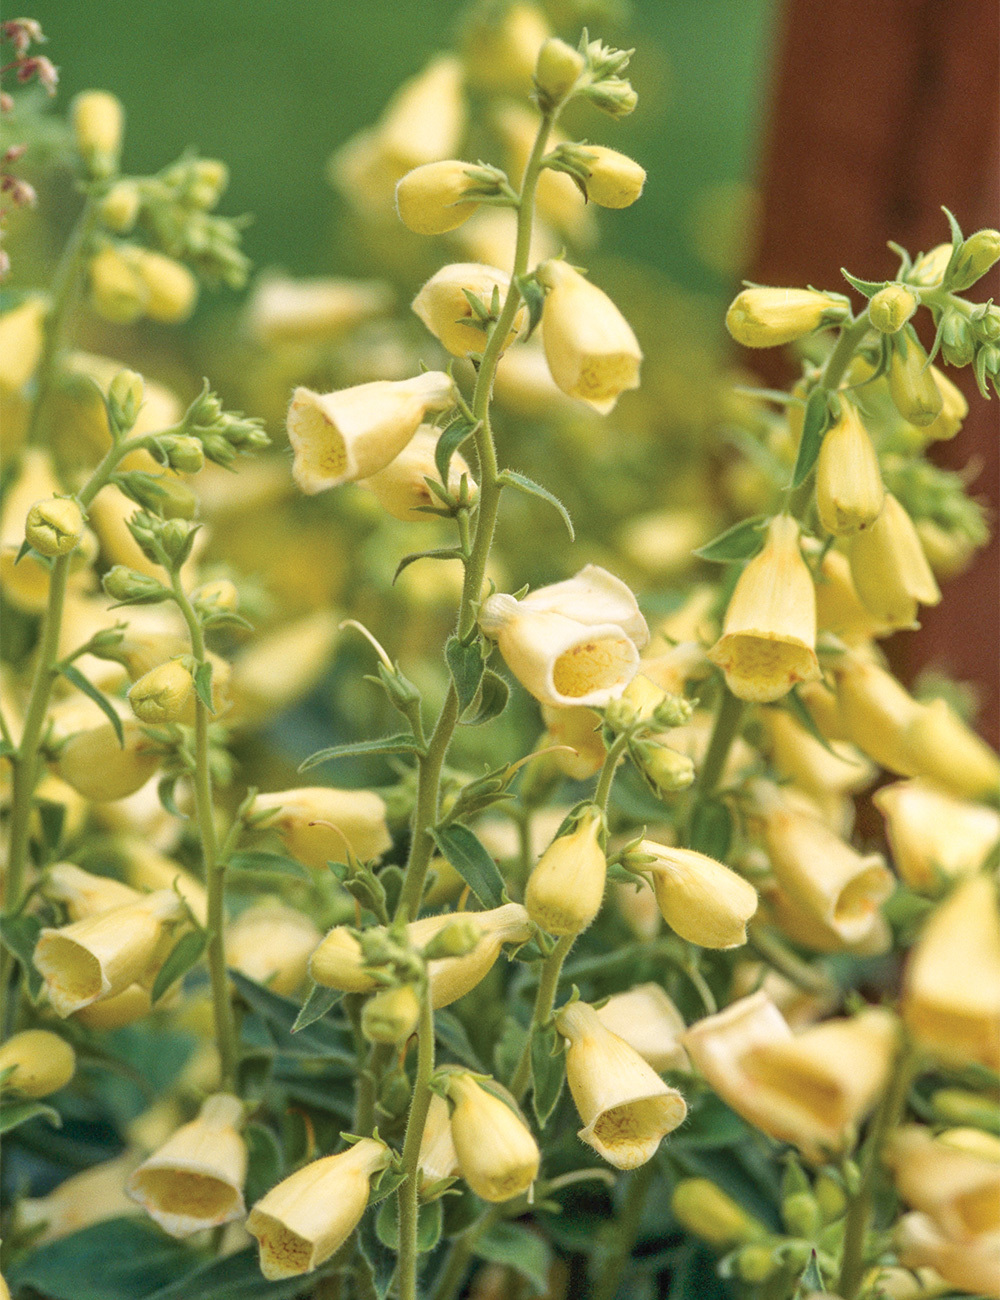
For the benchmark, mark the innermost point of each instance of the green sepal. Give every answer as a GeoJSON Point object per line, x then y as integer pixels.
{"type": "Point", "coordinates": [814, 425]}
{"type": "Point", "coordinates": [511, 478]}
{"type": "Point", "coordinates": [185, 953]}
{"type": "Point", "coordinates": [73, 674]}
{"type": "Point", "coordinates": [738, 543]}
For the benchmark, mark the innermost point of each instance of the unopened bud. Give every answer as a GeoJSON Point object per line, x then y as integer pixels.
{"type": "Point", "coordinates": [557, 71]}
{"type": "Point", "coordinates": [160, 695]}
{"type": "Point", "coordinates": [830, 1197]}
{"type": "Point", "coordinates": [171, 288]}
{"type": "Point", "coordinates": [891, 308]}
{"type": "Point", "coordinates": [117, 292]}
{"type": "Point", "coordinates": [801, 1215]}
{"type": "Point", "coordinates": [665, 768]}
{"type": "Point", "coordinates": [755, 1264]}
{"type": "Point", "coordinates": [911, 383]}
{"type": "Point", "coordinates": [125, 396]}
{"type": "Point", "coordinates": [163, 495]}
{"type": "Point", "coordinates": [613, 179]}
{"type": "Point", "coordinates": [218, 596]}
{"type": "Point", "coordinates": [707, 1211]}
{"type": "Point", "coordinates": [54, 527]}
{"type": "Point", "coordinates": [955, 1106]}
{"type": "Point", "coordinates": [762, 317]}
{"type": "Point", "coordinates": [614, 96]}
{"type": "Point", "coordinates": [98, 121]}
{"type": "Point", "coordinates": [979, 252]}
{"type": "Point", "coordinates": [458, 938]}
{"type": "Point", "coordinates": [120, 207]}
{"type": "Point", "coordinates": [40, 1063]}
{"type": "Point", "coordinates": [123, 583]}
{"type": "Point", "coordinates": [429, 199]}
{"type": "Point", "coordinates": [175, 538]}
{"type": "Point", "coordinates": [183, 453]}
{"type": "Point", "coordinates": [208, 181]}
{"type": "Point", "coordinates": [391, 1015]}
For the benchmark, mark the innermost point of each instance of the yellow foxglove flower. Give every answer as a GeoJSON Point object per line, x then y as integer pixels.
{"type": "Point", "coordinates": [824, 875]}
{"type": "Point", "coordinates": [625, 1106]}
{"type": "Point", "coordinates": [283, 310]}
{"type": "Point", "coordinates": [353, 433]}
{"type": "Point", "coordinates": [940, 746]}
{"type": "Point", "coordinates": [171, 289]}
{"type": "Point", "coordinates": [650, 1023]}
{"type": "Point", "coordinates": [401, 487]}
{"type": "Point", "coordinates": [718, 1044]}
{"type": "Point", "coordinates": [25, 582]}
{"type": "Point", "coordinates": [591, 349]}
{"type": "Point", "coordinates": [572, 643]}
{"type": "Point", "coordinates": [40, 1063]}
{"type": "Point", "coordinates": [951, 984]}
{"type": "Point", "coordinates": [438, 1159]}
{"type": "Point", "coordinates": [94, 763]}
{"type": "Point", "coordinates": [338, 963]}
{"type": "Point", "coordinates": [147, 868]}
{"type": "Point", "coordinates": [195, 1180]}
{"type": "Point", "coordinates": [953, 1176]}
{"type": "Point", "coordinates": [429, 199]}
{"type": "Point", "coordinates": [799, 757]}
{"type": "Point", "coordinates": [452, 977]}
{"type": "Point", "coordinates": [117, 290]}
{"type": "Point", "coordinates": [272, 944]}
{"type": "Point", "coordinates": [915, 394]}
{"type": "Point", "coordinates": [98, 123]}
{"type": "Point", "coordinates": [22, 334]}
{"type": "Point", "coordinates": [96, 1194]}
{"type": "Point", "coordinates": [282, 666]}
{"type": "Point", "coordinates": [933, 835]}
{"type": "Point", "coordinates": [700, 899]}
{"type": "Point", "coordinates": [500, 47]}
{"type": "Point", "coordinates": [443, 307]}
{"type": "Point", "coordinates": [391, 1015]}
{"type": "Point", "coordinates": [954, 409]}
{"type": "Point", "coordinates": [497, 1156]}
{"type": "Point", "coordinates": [125, 1008]}
{"type": "Point", "coordinates": [875, 712]}
{"type": "Point", "coordinates": [825, 1079]}
{"type": "Point", "coordinates": [613, 179]}
{"type": "Point", "coordinates": [765, 318]}
{"type": "Point", "coordinates": [309, 1215]}
{"type": "Point", "coordinates": [709, 1213]}
{"type": "Point", "coordinates": [839, 608]}
{"type": "Point", "coordinates": [85, 894]}
{"type": "Point", "coordinates": [969, 1264]}
{"type": "Point", "coordinates": [102, 955]}
{"type": "Point", "coordinates": [809, 931]}
{"type": "Point", "coordinates": [160, 695]}
{"type": "Point", "coordinates": [849, 491]}
{"type": "Point", "coordinates": [580, 729]}
{"type": "Point", "coordinates": [566, 888]}
{"type": "Point", "coordinates": [768, 640]}
{"type": "Point", "coordinates": [318, 824]}
{"type": "Point", "coordinates": [890, 570]}
{"type": "Point", "coordinates": [891, 308]}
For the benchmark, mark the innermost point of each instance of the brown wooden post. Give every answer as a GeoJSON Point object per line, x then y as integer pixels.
{"type": "Point", "coordinates": [882, 111]}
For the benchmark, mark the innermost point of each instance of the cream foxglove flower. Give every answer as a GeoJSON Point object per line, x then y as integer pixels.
{"type": "Point", "coordinates": [40, 1063]}
{"type": "Point", "coordinates": [818, 769]}
{"type": "Point", "coordinates": [849, 491]}
{"type": "Point", "coordinates": [272, 944]}
{"type": "Point", "coordinates": [952, 1176]}
{"type": "Point", "coordinates": [290, 311]}
{"type": "Point", "coordinates": [613, 179]}
{"type": "Point", "coordinates": [890, 570]}
{"type": "Point", "coordinates": [438, 1159]}
{"type": "Point", "coordinates": [939, 745]}
{"type": "Point", "coordinates": [318, 824]}
{"type": "Point", "coordinates": [497, 1156]}
{"type": "Point", "coordinates": [566, 888]}
{"type": "Point", "coordinates": [768, 640]}
{"type": "Point", "coordinates": [353, 433]}
{"type": "Point", "coordinates": [701, 899]}
{"type": "Point", "coordinates": [971, 1265]}
{"type": "Point", "coordinates": [763, 317]}
{"type": "Point", "coordinates": [429, 199]}
{"type": "Point", "coordinates": [401, 487]}
{"type": "Point", "coordinates": [933, 835]}
{"type": "Point", "coordinates": [625, 1106]}
{"type": "Point", "coordinates": [22, 336]}
{"type": "Point", "coordinates": [572, 643]}
{"type": "Point", "coordinates": [84, 894]}
{"type": "Point", "coordinates": [445, 309]}
{"type": "Point", "coordinates": [591, 349]}
{"type": "Point", "coordinates": [309, 1215]}
{"type": "Point", "coordinates": [839, 608]}
{"type": "Point", "coordinates": [709, 1213]}
{"type": "Point", "coordinates": [650, 1023]}
{"type": "Point", "coordinates": [195, 1180]}
{"type": "Point", "coordinates": [579, 729]}
{"type": "Point", "coordinates": [875, 711]}
{"type": "Point", "coordinates": [102, 955]}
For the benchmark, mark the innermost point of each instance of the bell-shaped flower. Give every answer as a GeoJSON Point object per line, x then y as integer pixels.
{"type": "Point", "coordinates": [939, 745]}
{"type": "Point", "coordinates": [195, 1180]}
{"type": "Point", "coordinates": [309, 1215]}
{"type": "Point", "coordinates": [444, 307]}
{"type": "Point", "coordinates": [318, 824]}
{"type": "Point", "coordinates": [99, 767]}
{"type": "Point", "coordinates": [839, 608]}
{"type": "Point", "coordinates": [497, 1155]}
{"type": "Point", "coordinates": [875, 711]}
{"type": "Point", "coordinates": [953, 1176]}
{"type": "Point", "coordinates": [282, 310]}
{"type": "Point", "coordinates": [849, 491]}
{"type": "Point", "coordinates": [579, 729]}
{"type": "Point", "coordinates": [84, 894]}
{"type": "Point", "coordinates": [39, 1061]}
{"type": "Point", "coordinates": [102, 955]}
{"type": "Point", "coordinates": [933, 835]}
{"type": "Point", "coordinates": [591, 349]}
{"type": "Point", "coordinates": [566, 888]}
{"type": "Point", "coordinates": [970, 1265]}
{"type": "Point", "coordinates": [816, 768]}
{"type": "Point", "coordinates": [431, 199]}
{"type": "Point", "coordinates": [272, 943]}
{"type": "Point", "coordinates": [768, 640]}
{"type": "Point", "coordinates": [765, 317]}
{"type": "Point", "coordinates": [890, 569]}
{"type": "Point", "coordinates": [625, 1106]}
{"type": "Point", "coordinates": [701, 899]}
{"type": "Point", "coordinates": [650, 1023]}
{"type": "Point", "coordinates": [951, 984]}
{"type": "Point", "coordinates": [438, 1159]}
{"type": "Point", "coordinates": [401, 488]}
{"type": "Point", "coordinates": [342, 436]}
{"type": "Point", "coordinates": [822, 873]}
{"type": "Point", "coordinates": [573, 643]}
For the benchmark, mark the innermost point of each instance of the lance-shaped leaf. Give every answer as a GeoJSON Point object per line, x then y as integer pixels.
{"type": "Point", "coordinates": [472, 862]}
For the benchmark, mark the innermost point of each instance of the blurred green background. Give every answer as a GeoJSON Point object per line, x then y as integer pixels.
{"type": "Point", "coordinates": [272, 88]}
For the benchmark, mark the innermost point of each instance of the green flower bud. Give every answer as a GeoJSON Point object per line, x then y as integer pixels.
{"type": "Point", "coordinates": [987, 325]}
{"type": "Point", "coordinates": [162, 495]}
{"type": "Point", "coordinates": [160, 695]}
{"type": "Point", "coordinates": [54, 527]}
{"type": "Point", "coordinates": [891, 308]}
{"type": "Point", "coordinates": [125, 394]}
{"type": "Point", "coordinates": [217, 597]}
{"type": "Point", "coordinates": [175, 538]}
{"type": "Point", "coordinates": [557, 71]}
{"type": "Point", "coordinates": [830, 1197]}
{"type": "Point", "coordinates": [183, 453]}
{"type": "Point", "coordinates": [209, 178]}
{"type": "Point", "coordinates": [756, 1264]}
{"type": "Point", "coordinates": [707, 1211]}
{"type": "Point", "coordinates": [123, 583]}
{"type": "Point", "coordinates": [960, 1109]}
{"type": "Point", "coordinates": [979, 252]}
{"type": "Point", "coordinates": [120, 207]}
{"type": "Point", "coordinates": [958, 340]}
{"type": "Point", "coordinates": [801, 1215]}
{"type": "Point", "coordinates": [911, 383]}
{"type": "Point", "coordinates": [614, 96]}
{"type": "Point", "coordinates": [664, 768]}
{"type": "Point", "coordinates": [391, 1015]}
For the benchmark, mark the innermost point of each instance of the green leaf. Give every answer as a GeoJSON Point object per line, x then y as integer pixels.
{"type": "Point", "coordinates": [737, 543]}
{"type": "Point", "coordinates": [73, 674]}
{"type": "Point", "coordinates": [451, 439]}
{"type": "Point", "coordinates": [118, 1259]}
{"type": "Point", "coordinates": [451, 1034]}
{"type": "Point", "coordinates": [165, 793]}
{"type": "Point", "coordinates": [323, 1040]}
{"type": "Point", "coordinates": [465, 663]}
{"type": "Point", "coordinates": [530, 488]}
{"type": "Point", "coordinates": [402, 743]}
{"type": "Point", "coordinates": [711, 828]}
{"type": "Point", "coordinates": [183, 955]}
{"type": "Point", "coordinates": [467, 855]}
{"type": "Point", "coordinates": [493, 696]}
{"type": "Point", "coordinates": [203, 685]}
{"type": "Point", "coordinates": [265, 1163]}
{"type": "Point", "coordinates": [429, 1222]}
{"type": "Point", "coordinates": [316, 1005]}
{"type": "Point", "coordinates": [533, 294]}
{"type": "Point", "coordinates": [442, 553]}
{"type": "Point", "coordinates": [13, 1113]}
{"type": "Point", "coordinates": [268, 864]}
{"type": "Point", "coordinates": [548, 1070]}
{"type": "Point", "coordinates": [19, 935]}
{"type": "Point", "coordinates": [795, 705]}
{"type": "Point", "coordinates": [811, 1281]}
{"type": "Point", "coordinates": [869, 288]}
{"type": "Point", "coordinates": [234, 1277]}
{"type": "Point", "coordinates": [814, 424]}
{"type": "Point", "coordinates": [518, 1248]}
{"type": "Point", "coordinates": [379, 1262]}
{"type": "Point", "coordinates": [53, 818]}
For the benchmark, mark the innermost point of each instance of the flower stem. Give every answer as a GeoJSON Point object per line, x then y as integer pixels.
{"type": "Point", "coordinates": [544, 999]}
{"type": "Point", "coordinates": [408, 1194]}
{"type": "Point", "coordinates": [627, 1229]}
{"type": "Point", "coordinates": [602, 793]}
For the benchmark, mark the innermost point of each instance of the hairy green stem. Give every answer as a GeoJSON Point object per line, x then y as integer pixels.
{"type": "Point", "coordinates": [627, 1229]}
{"type": "Point", "coordinates": [409, 1191]}
{"type": "Point", "coordinates": [602, 792]}
{"type": "Point", "coordinates": [725, 731]}
{"type": "Point", "coordinates": [851, 335]}
{"type": "Point", "coordinates": [456, 1265]}
{"type": "Point", "coordinates": [544, 1000]}
{"type": "Point", "coordinates": [214, 867]}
